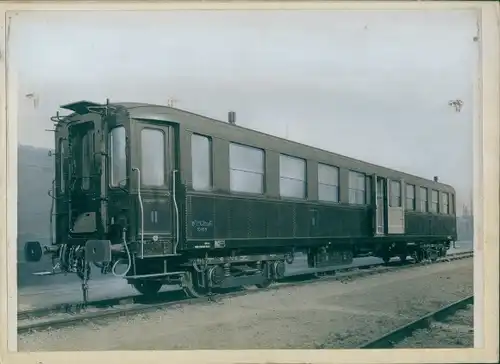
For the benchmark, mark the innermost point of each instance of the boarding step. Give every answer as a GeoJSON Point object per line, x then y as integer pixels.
{"type": "Point", "coordinates": [158, 256]}
{"type": "Point", "coordinates": [246, 269]}
{"type": "Point", "coordinates": [46, 273]}
{"type": "Point", "coordinates": [242, 281]}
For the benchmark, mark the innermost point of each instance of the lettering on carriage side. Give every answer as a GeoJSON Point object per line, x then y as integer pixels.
{"type": "Point", "coordinates": [202, 226]}
{"type": "Point", "coordinates": [154, 216]}
{"type": "Point", "coordinates": [205, 245]}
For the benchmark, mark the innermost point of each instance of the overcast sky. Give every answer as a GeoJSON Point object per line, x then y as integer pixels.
{"type": "Point", "coordinates": [371, 85]}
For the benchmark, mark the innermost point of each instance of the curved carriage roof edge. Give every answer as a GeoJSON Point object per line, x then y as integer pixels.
{"type": "Point", "coordinates": [80, 105]}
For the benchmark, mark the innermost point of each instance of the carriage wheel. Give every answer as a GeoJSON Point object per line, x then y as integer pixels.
{"type": "Point", "coordinates": [442, 252]}
{"type": "Point", "coordinates": [433, 255]}
{"type": "Point", "coordinates": [418, 255]}
{"type": "Point", "coordinates": [147, 287]}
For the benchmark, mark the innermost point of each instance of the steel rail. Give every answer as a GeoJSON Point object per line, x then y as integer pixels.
{"type": "Point", "coordinates": [110, 307]}
{"type": "Point", "coordinates": [77, 307]}
{"type": "Point", "coordinates": [394, 337]}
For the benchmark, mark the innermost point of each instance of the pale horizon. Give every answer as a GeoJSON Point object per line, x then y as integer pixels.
{"type": "Point", "coordinates": [345, 82]}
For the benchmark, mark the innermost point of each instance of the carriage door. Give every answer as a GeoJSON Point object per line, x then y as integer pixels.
{"type": "Point", "coordinates": [381, 198]}
{"type": "Point", "coordinates": [156, 161]}
{"type": "Point", "coordinates": [395, 213]}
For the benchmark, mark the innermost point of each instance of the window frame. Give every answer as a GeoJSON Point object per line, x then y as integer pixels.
{"type": "Point", "coordinates": [436, 211]}
{"type": "Point", "coordinates": [210, 163]}
{"type": "Point", "coordinates": [362, 176]}
{"type": "Point", "coordinates": [304, 181]}
{"type": "Point", "coordinates": [164, 183]}
{"type": "Point", "coordinates": [337, 185]}
{"type": "Point", "coordinates": [111, 158]}
{"type": "Point", "coordinates": [410, 202]}
{"type": "Point", "coordinates": [426, 194]}
{"type": "Point", "coordinates": [399, 196]}
{"type": "Point", "coordinates": [445, 211]}
{"type": "Point", "coordinates": [262, 174]}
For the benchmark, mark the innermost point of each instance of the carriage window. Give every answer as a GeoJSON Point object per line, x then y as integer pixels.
{"type": "Point", "coordinates": [201, 162]}
{"type": "Point", "coordinates": [424, 206]}
{"type": "Point", "coordinates": [246, 169]}
{"type": "Point", "coordinates": [87, 154]}
{"type": "Point", "coordinates": [395, 200]}
{"type": "Point", "coordinates": [410, 197]}
{"type": "Point", "coordinates": [328, 183]}
{"type": "Point", "coordinates": [452, 205]}
{"type": "Point", "coordinates": [152, 157]}
{"type": "Point", "coordinates": [446, 203]}
{"type": "Point", "coordinates": [357, 188]}
{"type": "Point", "coordinates": [434, 201]}
{"type": "Point", "coordinates": [61, 165]}
{"type": "Point", "coordinates": [118, 156]}
{"type": "Point", "coordinates": [292, 177]}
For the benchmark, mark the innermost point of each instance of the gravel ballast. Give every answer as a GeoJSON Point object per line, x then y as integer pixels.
{"type": "Point", "coordinates": [323, 315]}
{"type": "Point", "coordinates": [457, 331]}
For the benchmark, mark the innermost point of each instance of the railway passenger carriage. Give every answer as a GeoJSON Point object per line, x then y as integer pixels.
{"type": "Point", "coordinates": [176, 197]}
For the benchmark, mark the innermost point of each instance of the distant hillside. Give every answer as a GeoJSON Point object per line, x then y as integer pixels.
{"type": "Point", "coordinates": [35, 175]}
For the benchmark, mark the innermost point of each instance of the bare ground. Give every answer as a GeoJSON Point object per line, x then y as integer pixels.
{"type": "Point", "coordinates": [456, 332]}
{"type": "Point", "coordinates": [320, 315]}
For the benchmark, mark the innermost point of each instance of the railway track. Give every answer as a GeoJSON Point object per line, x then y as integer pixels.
{"type": "Point", "coordinates": [62, 315]}
{"type": "Point", "coordinates": [396, 337]}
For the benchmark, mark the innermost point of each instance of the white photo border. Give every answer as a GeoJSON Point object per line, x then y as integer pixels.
{"type": "Point", "coordinates": [486, 198]}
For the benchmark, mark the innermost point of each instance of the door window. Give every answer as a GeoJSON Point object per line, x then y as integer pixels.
{"type": "Point", "coordinates": [395, 198]}
{"type": "Point", "coordinates": [87, 158]}
{"type": "Point", "coordinates": [152, 157]}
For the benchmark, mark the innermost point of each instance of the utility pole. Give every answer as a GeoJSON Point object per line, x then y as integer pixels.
{"type": "Point", "coordinates": [471, 216]}
{"type": "Point", "coordinates": [471, 203]}
{"type": "Point", "coordinates": [457, 104]}
{"type": "Point", "coordinates": [34, 98]}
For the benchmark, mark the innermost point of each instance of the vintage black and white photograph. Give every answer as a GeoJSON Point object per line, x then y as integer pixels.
{"type": "Point", "coordinates": [233, 179]}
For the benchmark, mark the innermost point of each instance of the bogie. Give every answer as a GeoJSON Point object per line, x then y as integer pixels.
{"type": "Point", "coordinates": [266, 273]}
{"type": "Point", "coordinates": [206, 279]}
{"type": "Point", "coordinates": [194, 284]}
{"type": "Point", "coordinates": [417, 251]}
